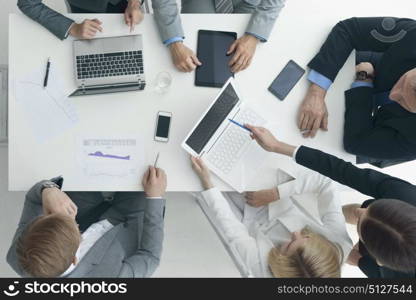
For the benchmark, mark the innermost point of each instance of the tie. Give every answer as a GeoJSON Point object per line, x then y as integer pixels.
{"type": "Point", "coordinates": [224, 6]}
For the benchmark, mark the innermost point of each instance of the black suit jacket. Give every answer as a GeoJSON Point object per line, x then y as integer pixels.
{"type": "Point", "coordinates": [366, 181]}
{"type": "Point", "coordinates": [388, 132]}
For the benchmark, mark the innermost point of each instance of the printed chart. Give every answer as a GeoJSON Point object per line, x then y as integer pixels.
{"type": "Point", "coordinates": [111, 159]}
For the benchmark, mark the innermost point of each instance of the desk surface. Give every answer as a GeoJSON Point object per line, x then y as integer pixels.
{"type": "Point", "coordinates": [299, 32]}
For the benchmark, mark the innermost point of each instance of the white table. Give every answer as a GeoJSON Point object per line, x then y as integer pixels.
{"type": "Point", "coordinates": [299, 32]}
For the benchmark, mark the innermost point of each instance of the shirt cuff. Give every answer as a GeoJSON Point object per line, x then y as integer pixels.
{"type": "Point", "coordinates": [154, 197]}
{"type": "Point", "coordinates": [319, 79]}
{"type": "Point", "coordinates": [69, 28]}
{"type": "Point", "coordinates": [357, 84]}
{"type": "Point", "coordinates": [295, 152]}
{"type": "Point", "coordinates": [173, 40]}
{"type": "Point", "coordinates": [261, 39]}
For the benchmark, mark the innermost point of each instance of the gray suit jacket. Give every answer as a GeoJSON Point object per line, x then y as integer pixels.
{"type": "Point", "coordinates": [132, 248]}
{"type": "Point", "coordinates": [166, 15]}
{"type": "Point", "coordinates": [264, 13]}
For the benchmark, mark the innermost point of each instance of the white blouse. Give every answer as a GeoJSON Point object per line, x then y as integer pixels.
{"type": "Point", "coordinates": [250, 233]}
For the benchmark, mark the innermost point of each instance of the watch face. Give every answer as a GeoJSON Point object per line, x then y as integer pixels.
{"type": "Point", "coordinates": [362, 75]}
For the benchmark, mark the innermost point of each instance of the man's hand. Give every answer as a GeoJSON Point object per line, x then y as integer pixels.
{"type": "Point", "coordinates": [243, 49]}
{"type": "Point", "coordinates": [313, 113]}
{"type": "Point", "coordinates": [354, 256]}
{"type": "Point", "coordinates": [133, 14]}
{"type": "Point", "coordinates": [183, 58]}
{"type": "Point", "coordinates": [87, 29]}
{"type": "Point", "coordinates": [154, 182]}
{"type": "Point", "coordinates": [262, 197]}
{"type": "Point", "coordinates": [202, 171]}
{"type": "Point", "coordinates": [351, 213]}
{"type": "Point", "coordinates": [54, 201]}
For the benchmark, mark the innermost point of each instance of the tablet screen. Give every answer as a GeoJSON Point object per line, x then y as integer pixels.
{"type": "Point", "coordinates": [212, 52]}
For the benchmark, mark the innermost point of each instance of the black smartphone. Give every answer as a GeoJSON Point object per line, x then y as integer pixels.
{"type": "Point", "coordinates": [286, 80]}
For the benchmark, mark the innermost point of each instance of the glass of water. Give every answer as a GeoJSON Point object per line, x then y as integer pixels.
{"type": "Point", "coordinates": [163, 82]}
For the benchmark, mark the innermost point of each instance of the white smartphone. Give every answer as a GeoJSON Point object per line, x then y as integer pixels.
{"type": "Point", "coordinates": [163, 126]}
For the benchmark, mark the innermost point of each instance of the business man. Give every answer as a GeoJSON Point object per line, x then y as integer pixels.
{"type": "Point", "coordinates": [381, 104]}
{"type": "Point", "coordinates": [119, 235]}
{"type": "Point", "coordinates": [386, 224]}
{"type": "Point", "coordinates": [62, 26]}
{"type": "Point", "coordinates": [264, 14]}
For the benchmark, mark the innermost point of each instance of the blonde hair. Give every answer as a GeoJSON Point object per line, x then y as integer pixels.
{"type": "Point", "coordinates": [48, 245]}
{"type": "Point", "coordinates": [316, 258]}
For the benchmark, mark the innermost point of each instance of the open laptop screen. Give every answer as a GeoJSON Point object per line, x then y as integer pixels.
{"type": "Point", "coordinates": [213, 119]}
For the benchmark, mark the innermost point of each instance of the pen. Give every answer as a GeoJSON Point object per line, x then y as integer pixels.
{"type": "Point", "coordinates": [238, 124]}
{"type": "Point", "coordinates": [304, 131]}
{"type": "Point", "coordinates": [157, 158]}
{"type": "Point", "coordinates": [45, 81]}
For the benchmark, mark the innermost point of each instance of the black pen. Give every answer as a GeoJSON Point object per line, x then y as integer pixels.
{"type": "Point", "coordinates": [45, 81]}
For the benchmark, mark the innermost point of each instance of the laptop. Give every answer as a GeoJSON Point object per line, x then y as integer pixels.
{"type": "Point", "coordinates": [108, 65]}
{"type": "Point", "coordinates": [226, 148]}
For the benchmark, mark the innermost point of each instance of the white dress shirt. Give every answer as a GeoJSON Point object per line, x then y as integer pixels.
{"type": "Point", "coordinates": [89, 238]}
{"type": "Point", "coordinates": [251, 233]}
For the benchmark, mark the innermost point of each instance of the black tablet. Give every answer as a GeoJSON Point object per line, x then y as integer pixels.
{"type": "Point", "coordinates": [212, 52]}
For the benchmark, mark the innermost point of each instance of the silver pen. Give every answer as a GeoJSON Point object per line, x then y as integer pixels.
{"type": "Point", "coordinates": [156, 160]}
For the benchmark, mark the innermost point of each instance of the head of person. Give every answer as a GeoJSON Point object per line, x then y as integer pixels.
{"type": "Point", "coordinates": [387, 228]}
{"type": "Point", "coordinates": [48, 246]}
{"type": "Point", "coordinates": [404, 91]}
{"type": "Point", "coordinates": [307, 255]}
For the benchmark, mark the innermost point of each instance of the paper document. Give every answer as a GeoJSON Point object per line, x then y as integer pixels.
{"type": "Point", "coordinates": [49, 111]}
{"type": "Point", "coordinates": [111, 160]}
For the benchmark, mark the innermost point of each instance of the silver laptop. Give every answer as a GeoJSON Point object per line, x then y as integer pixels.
{"type": "Point", "coordinates": [108, 65]}
{"type": "Point", "coordinates": [226, 148]}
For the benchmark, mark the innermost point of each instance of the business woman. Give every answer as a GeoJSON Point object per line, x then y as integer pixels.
{"type": "Point", "coordinates": [271, 235]}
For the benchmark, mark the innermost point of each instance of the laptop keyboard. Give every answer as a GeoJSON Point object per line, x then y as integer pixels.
{"type": "Point", "coordinates": [231, 145]}
{"type": "Point", "coordinates": [109, 64]}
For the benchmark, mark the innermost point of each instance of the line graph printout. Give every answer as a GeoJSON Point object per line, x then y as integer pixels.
{"type": "Point", "coordinates": [48, 110]}
{"type": "Point", "coordinates": [111, 160]}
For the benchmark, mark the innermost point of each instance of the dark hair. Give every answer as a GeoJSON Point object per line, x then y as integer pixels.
{"type": "Point", "coordinates": [389, 233]}
{"type": "Point", "coordinates": [48, 245]}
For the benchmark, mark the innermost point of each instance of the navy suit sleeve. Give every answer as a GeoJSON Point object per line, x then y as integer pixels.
{"type": "Point", "coordinates": [354, 33]}
{"type": "Point", "coordinates": [367, 181]}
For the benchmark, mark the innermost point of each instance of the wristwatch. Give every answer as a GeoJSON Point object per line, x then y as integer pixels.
{"type": "Point", "coordinates": [48, 185]}
{"type": "Point", "coordinates": [363, 75]}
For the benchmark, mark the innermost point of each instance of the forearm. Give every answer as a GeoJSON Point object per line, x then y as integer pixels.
{"type": "Point", "coordinates": [263, 18]}
{"type": "Point", "coordinates": [353, 33]}
{"type": "Point", "coordinates": [366, 181]}
{"type": "Point", "coordinates": [50, 19]}
{"type": "Point", "coordinates": [168, 19]}
{"type": "Point", "coordinates": [153, 223]}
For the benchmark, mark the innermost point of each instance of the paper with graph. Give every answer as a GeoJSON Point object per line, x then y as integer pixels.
{"type": "Point", "coordinates": [49, 111]}
{"type": "Point", "coordinates": [110, 159]}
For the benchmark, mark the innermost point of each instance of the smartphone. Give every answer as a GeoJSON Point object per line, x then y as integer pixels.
{"type": "Point", "coordinates": [286, 80]}
{"type": "Point", "coordinates": [163, 126]}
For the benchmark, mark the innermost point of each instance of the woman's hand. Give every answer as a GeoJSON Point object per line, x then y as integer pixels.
{"type": "Point", "coordinates": [202, 171]}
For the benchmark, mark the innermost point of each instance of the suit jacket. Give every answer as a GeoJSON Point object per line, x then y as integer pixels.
{"type": "Point", "coordinates": [132, 248]}
{"type": "Point", "coordinates": [367, 181]}
{"type": "Point", "coordinates": [387, 132]}
{"type": "Point", "coordinates": [166, 15]}
{"type": "Point", "coordinates": [264, 14]}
